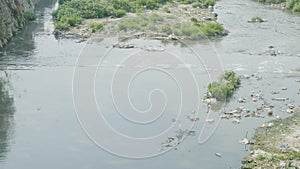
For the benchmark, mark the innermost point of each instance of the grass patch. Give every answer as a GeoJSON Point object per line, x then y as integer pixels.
{"type": "Point", "coordinates": [30, 15]}
{"type": "Point", "coordinates": [96, 26]}
{"type": "Point", "coordinates": [141, 23]}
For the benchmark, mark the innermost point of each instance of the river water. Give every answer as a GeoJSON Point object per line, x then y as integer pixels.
{"type": "Point", "coordinates": [39, 120]}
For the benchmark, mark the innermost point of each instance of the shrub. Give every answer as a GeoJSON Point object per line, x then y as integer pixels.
{"type": "Point", "coordinates": [296, 7]}
{"type": "Point", "coordinates": [61, 26]}
{"type": "Point", "coordinates": [166, 9]}
{"type": "Point", "coordinates": [260, 157]}
{"type": "Point", "coordinates": [120, 13]}
{"type": "Point", "coordinates": [96, 26]}
{"type": "Point", "coordinates": [225, 88]}
{"type": "Point", "coordinates": [30, 16]}
{"type": "Point", "coordinates": [211, 28]}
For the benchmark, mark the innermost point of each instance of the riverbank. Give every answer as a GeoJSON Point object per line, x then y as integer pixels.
{"type": "Point", "coordinates": [276, 145]}
{"type": "Point", "coordinates": [13, 17]}
{"type": "Point", "coordinates": [292, 5]}
{"type": "Point", "coordinates": [171, 21]}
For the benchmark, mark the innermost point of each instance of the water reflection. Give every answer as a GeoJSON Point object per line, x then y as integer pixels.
{"type": "Point", "coordinates": [6, 116]}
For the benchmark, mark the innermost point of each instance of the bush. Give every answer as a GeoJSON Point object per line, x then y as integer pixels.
{"type": "Point", "coordinates": [296, 7]}
{"type": "Point", "coordinates": [260, 157]}
{"type": "Point", "coordinates": [66, 22]}
{"type": "Point", "coordinates": [199, 3]}
{"type": "Point", "coordinates": [120, 13]}
{"type": "Point", "coordinates": [225, 88]}
{"type": "Point", "coordinates": [211, 28]}
{"type": "Point", "coordinates": [61, 26]}
{"type": "Point", "coordinates": [96, 26]}
{"type": "Point", "coordinates": [30, 16]}
{"type": "Point", "coordinates": [166, 9]}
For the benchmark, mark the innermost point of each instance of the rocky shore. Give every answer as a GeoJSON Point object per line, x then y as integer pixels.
{"type": "Point", "coordinates": [12, 17]}
{"type": "Point", "coordinates": [277, 145]}
{"type": "Point", "coordinates": [158, 24]}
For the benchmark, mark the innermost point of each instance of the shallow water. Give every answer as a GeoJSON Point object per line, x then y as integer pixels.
{"type": "Point", "coordinates": [39, 125]}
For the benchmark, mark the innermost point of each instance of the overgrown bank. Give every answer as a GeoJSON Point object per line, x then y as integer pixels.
{"type": "Point", "coordinates": [293, 5]}
{"type": "Point", "coordinates": [191, 19]}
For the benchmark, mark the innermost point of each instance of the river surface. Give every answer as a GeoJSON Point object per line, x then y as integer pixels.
{"type": "Point", "coordinates": [39, 120]}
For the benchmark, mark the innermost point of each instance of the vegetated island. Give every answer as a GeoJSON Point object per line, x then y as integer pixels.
{"type": "Point", "coordinates": [164, 19]}
{"type": "Point", "coordinates": [225, 88]}
{"type": "Point", "coordinates": [292, 5]}
{"type": "Point", "coordinates": [276, 145]}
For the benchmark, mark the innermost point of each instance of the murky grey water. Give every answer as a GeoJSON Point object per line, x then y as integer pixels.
{"type": "Point", "coordinates": [39, 126]}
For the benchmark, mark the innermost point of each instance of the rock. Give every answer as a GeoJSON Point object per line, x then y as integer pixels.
{"type": "Point", "coordinates": [123, 46]}
{"type": "Point", "coordinates": [290, 111]}
{"type": "Point", "coordinates": [236, 121]}
{"type": "Point", "coordinates": [269, 111]}
{"type": "Point", "coordinates": [256, 19]}
{"type": "Point", "coordinates": [291, 106]}
{"type": "Point", "coordinates": [245, 141]}
{"type": "Point", "coordinates": [242, 100]}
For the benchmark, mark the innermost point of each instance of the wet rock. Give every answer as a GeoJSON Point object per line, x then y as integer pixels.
{"type": "Point", "coordinates": [275, 92]}
{"type": "Point", "coordinates": [242, 100]}
{"type": "Point", "coordinates": [123, 46]}
{"type": "Point", "coordinates": [290, 111]}
{"type": "Point", "coordinates": [256, 19]}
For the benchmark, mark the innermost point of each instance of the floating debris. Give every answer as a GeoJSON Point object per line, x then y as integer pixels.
{"type": "Point", "coordinates": [210, 120]}
{"type": "Point", "coordinates": [242, 100]}
{"type": "Point", "coordinates": [281, 99]}
{"type": "Point", "coordinates": [267, 125]}
{"type": "Point", "coordinates": [236, 121]}
{"type": "Point", "coordinates": [218, 155]}
{"type": "Point", "coordinates": [245, 141]}
{"type": "Point", "coordinates": [191, 133]}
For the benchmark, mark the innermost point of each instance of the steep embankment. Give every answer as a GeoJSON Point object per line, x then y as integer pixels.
{"type": "Point", "coordinates": [12, 17]}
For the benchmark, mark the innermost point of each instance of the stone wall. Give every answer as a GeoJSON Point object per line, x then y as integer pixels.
{"type": "Point", "coordinates": [12, 17]}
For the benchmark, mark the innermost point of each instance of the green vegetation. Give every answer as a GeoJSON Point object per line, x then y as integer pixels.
{"type": "Point", "coordinates": [268, 141]}
{"type": "Point", "coordinates": [30, 16]}
{"type": "Point", "coordinates": [141, 23]}
{"type": "Point", "coordinates": [87, 9]}
{"type": "Point", "coordinates": [225, 88]}
{"type": "Point", "coordinates": [96, 26]}
{"type": "Point", "coordinates": [293, 5]}
{"type": "Point", "coordinates": [75, 10]}
{"type": "Point", "coordinates": [261, 157]}
{"type": "Point", "coordinates": [166, 9]}
{"type": "Point", "coordinates": [156, 23]}
{"type": "Point", "coordinates": [199, 3]}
